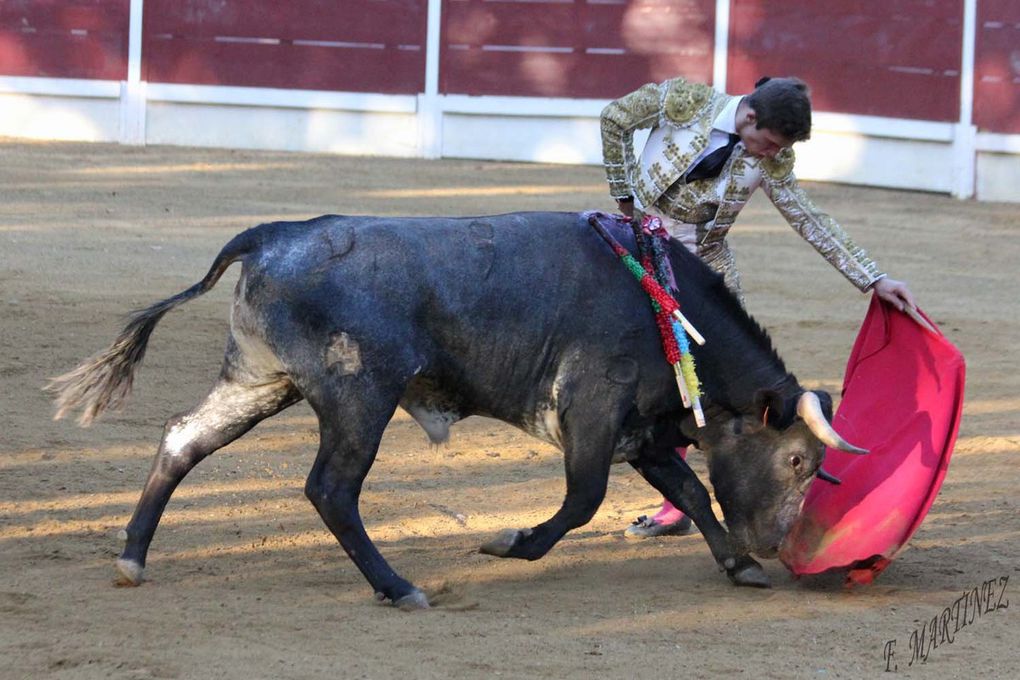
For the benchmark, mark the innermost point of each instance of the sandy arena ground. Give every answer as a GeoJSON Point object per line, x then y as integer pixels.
{"type": "Point", "coordinates": [244, 581]}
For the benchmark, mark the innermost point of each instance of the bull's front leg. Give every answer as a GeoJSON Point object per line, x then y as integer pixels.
{"type": "Point", "coordinates": [588, 455]}
{"type": "Point", "coordinates": [674, 479]}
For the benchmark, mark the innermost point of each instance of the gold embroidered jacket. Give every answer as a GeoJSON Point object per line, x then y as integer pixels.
{"type": "Point", "coordinates": [680, 115]}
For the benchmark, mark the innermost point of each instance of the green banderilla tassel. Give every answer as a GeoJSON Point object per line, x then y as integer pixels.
{"type": "Point", "coordinates": [634, 266]}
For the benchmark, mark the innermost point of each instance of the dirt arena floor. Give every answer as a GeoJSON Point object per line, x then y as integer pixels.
{"type": "Point", "coordinates": [244, 581]}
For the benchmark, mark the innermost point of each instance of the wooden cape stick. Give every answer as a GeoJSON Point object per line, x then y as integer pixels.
{"type": "Point", "coordinates": [920, 320]}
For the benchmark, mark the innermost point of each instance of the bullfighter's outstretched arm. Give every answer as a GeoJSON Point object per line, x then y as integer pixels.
{"type": "Point", "coordinates": [815, 226]}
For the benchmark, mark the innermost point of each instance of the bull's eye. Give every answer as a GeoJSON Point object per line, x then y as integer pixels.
{"type": "Point", "coordinates": [795, 462]}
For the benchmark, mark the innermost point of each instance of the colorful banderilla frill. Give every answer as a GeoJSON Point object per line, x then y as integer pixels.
{"type": "Point", "coordinates": [674, 328]}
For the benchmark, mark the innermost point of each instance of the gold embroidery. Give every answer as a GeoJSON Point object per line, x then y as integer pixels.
{"type": "Point", "coordinates": [822, 232]}
{"type": "Point", "coordinates": [661, 178]}
{"type": "Point", "coordinates": [684, 100]}
{"type": "Point", "coordinates": [694, 203]}
{"type": "Point", "coordinates": [677, 156]}
{"type": "Point", "coordinates": [780, 167]}
{"type": "Point", "coordinates": [637, 110]}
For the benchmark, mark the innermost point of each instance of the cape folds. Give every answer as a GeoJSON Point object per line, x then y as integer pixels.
{"type": "Point", "coordinates": [902, 399]}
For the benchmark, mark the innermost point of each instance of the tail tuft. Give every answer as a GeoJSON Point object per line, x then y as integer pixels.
{"type": "Point", "coordinates": [103, 382]}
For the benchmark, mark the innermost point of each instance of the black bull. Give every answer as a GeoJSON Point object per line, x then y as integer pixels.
{"type": "Point", "coordinates": [526, 317]}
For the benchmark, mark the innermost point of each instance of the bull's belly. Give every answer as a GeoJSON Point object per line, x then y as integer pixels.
{"type": "Point", "coordinates": [435, 410]}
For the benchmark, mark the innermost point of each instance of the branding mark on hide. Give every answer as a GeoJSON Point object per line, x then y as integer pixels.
{"type": "Point", "coordinates": [343, 350]}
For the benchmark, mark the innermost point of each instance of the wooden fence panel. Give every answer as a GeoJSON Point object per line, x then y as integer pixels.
{"type": "Point", "coordinates": [338, 45]}
{"type": "Point", "coordinates": [997, 67]}
{"type": "Point", "coordinates": [64, 39]}
{"type": "Point", "coordinates": [895, 58]}
{"type": "Point", "coordinates": [573, 48]}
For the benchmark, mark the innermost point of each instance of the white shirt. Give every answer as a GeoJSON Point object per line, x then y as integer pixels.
{"type": "Point", "coordinates": [724, 125]}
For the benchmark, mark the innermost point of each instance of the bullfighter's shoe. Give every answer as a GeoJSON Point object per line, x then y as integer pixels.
{"type": "Point", "coordinates": [649, 527]}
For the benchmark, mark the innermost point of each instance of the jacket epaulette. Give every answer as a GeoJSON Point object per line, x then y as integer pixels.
{"type": "Point", "coordinates": [780, 166]}
{"type": "Point", "coordinates": [684, 100]}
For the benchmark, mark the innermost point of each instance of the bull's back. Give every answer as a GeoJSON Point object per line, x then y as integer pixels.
{"type": "Point", "coordinates": [496, 306]}
{"type": "Point", "coordinates": [517, 264]}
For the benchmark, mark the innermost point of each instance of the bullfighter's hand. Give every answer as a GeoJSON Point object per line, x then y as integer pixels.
{"type": "Point", "coordinates": [895, 293]}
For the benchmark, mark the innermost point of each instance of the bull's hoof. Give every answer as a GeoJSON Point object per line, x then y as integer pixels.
{"type": "Point", "coordinates": [413, 601]}
{"type": "Point", "coordinates": [129, 573]}
{"type": "Point", "coordinates": [504, 542]}
{"type": "Point", "coordinates": [749, 573]}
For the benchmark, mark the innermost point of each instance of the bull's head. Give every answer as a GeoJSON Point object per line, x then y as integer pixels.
{"type": "Point", "coordinates": [761, 465]}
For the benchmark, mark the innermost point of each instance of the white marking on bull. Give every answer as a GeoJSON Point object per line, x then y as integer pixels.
{"type": "Point", "coordinates": [253, 351]}
{"type": "Point", "coordinates": [129, 572]}
{"type": "Point", "coordinates": [546, 424]}
{"type": "Point", "coordinates": [550, 420]}
{"type": "Point", "coordinates": [215, 414]}
{"type": "Point", "coordinates": [179, 436]}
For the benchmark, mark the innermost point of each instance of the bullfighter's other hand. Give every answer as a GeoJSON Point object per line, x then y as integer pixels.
{"type": "Point", "coordinates": [626, 206]}
{"type": "Point", "coordinates": [895, 293]}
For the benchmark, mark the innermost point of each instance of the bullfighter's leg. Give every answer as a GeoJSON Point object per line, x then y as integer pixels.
{"type": "Point", "coordinates": [587, 457]}
{"type": "Point", "coordinates": [675, 480]}
{"type": "Point", "coordinates": [351, 422]}
{"type": "Point", "coordinates": [230, 409]}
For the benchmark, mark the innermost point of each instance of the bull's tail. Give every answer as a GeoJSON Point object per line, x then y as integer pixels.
{"type": "Point", "coordinates": [103, 381]}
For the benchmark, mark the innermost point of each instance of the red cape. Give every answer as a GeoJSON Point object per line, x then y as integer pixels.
{"type": "Point", "coordinates": [902, 400]}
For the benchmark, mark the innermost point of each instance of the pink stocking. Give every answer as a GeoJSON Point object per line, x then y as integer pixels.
{"type": "Point", "coordinates": [669, 514]}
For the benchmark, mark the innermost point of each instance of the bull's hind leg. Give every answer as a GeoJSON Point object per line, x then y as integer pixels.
{"type": "Point", "coordinates": [229, 410]}
{"type": "Point", "coordinates": [351, 422]}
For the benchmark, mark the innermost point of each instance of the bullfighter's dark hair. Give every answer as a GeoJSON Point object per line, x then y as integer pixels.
{"type": "Point", "coordinates": [783, 105]}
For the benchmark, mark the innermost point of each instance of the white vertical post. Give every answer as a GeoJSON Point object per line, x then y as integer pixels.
{"type": "Point", "coordinates": [430, 113]}
{"type": "Point", "coordinates": [722, 44]}
{"type": "Point", "coordinates": [964, 132]}
{"type": "Point", "coordinates": [132, 90]}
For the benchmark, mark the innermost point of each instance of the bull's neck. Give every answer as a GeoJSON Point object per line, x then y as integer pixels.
{"type": "Point", "coordinates": [734, 381]}
{"type": "Point", "coordinates": [738, 360]}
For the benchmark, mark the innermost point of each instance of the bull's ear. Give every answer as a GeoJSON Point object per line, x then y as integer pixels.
{"type": "Point", "coordinates": [774, 410]}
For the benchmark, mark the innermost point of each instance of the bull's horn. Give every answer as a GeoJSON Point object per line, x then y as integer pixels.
{"type": "Point", "coordinates": [823, 475]}
{"type": "Point", "coordinates": [810, 409]}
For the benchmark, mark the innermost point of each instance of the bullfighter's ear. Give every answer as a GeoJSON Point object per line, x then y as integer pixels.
{"type": "Point", "coordinates": [774, 410]}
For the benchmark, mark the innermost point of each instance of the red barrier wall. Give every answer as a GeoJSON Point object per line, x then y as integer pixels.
{"type": "Point", "coordinates": [573, 48]}
{"type": "Point", "coordinates": [64, 39]}
{"type": "Point", "coordinates": [997, 67]}
{"type": "Point", "coordinates": [340, 45]}
{"type": "Point", "coordinates": [895, 58]}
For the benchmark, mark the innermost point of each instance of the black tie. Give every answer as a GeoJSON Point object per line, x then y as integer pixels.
{"type": "Point", "coordinates": [712, 164]}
